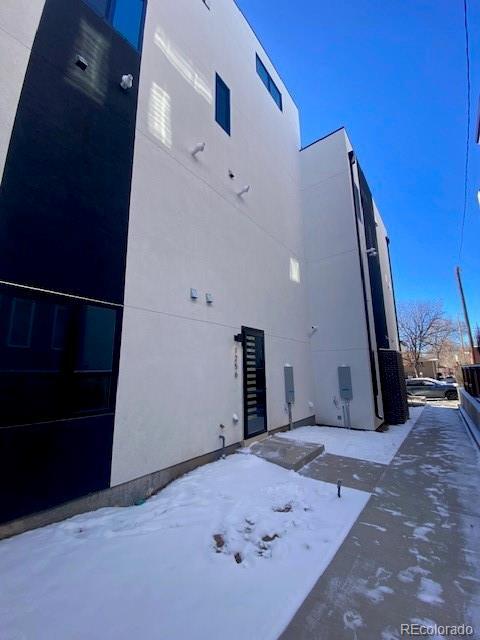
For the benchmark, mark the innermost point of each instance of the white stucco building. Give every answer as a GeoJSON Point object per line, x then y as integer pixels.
{"type": "Point", "coordinates": [181, 250]}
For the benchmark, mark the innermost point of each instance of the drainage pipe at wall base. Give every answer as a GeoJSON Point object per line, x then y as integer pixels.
{"type": "Point", "coordinates": [347, 421]}
{"type": "Point", "coordinates": [347, 413]}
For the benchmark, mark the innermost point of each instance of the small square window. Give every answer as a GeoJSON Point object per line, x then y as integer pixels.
{"type": "Point", "coordinates": [222, 104]}
{"type": "Point", "coordinates": [294, 270]}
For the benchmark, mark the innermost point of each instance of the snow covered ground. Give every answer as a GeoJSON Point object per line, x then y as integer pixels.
{"type": "Point", "coordinates": [228, 551]}
{"type": "Point", "coordinates": [373, 446]}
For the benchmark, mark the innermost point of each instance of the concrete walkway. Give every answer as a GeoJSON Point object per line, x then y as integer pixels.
{"type": "Point", "coordinates": [414, 553]}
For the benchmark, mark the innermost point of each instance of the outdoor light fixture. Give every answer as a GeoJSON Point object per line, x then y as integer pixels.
{"type": "Point", "coordinates": [126, 82]}
{"type": "Point", "coordinates": [198, 148]}
{"type": "Point", "coordinates": [478, 197]}
{"type": "Point", "coordinates": [244, 190]}
{"type": "Point", "coordinates": [371, 252]}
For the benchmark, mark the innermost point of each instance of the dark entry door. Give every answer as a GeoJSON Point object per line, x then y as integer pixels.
{"type": "Point", "coordinates": [254, 388]}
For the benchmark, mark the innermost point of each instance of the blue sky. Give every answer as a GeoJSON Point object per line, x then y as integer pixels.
{"type": "Point", "coordinates": [393, 73]}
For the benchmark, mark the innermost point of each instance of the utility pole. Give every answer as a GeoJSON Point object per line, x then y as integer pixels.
{"type": "Point", "coordinates": [460, 333]}
{"type": "Point", "coordinates": [465, 313]}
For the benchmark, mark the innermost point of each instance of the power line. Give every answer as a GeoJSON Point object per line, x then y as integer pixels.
{"type": "Point", "coordinates": [467, 148]}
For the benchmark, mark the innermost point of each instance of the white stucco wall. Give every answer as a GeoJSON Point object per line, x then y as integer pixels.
{"type": "Point", "coordinates": [336, 299]}
{"type": "Point", "coordinates": [19, 21]}
{"type": "Point", "coordinates": [188, 228]}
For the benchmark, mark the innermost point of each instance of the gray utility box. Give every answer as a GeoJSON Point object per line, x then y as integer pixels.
{"type": "Point", "coordinates": [289, 384]}
{"type": "Point", "coordinates": [345, 383]}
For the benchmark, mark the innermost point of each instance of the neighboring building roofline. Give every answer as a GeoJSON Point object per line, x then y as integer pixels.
{"type": "Point", "coordinates": [323, 137]}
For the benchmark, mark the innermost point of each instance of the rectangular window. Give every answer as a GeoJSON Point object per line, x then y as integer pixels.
{"type": "Point", "coordinates": [222, 104]}
{"type": "Point", "coordinates": [126, 17]}
{"type": "Point", "coordinates": [21, 323]}
{"type": "Point", "coordinates": [67, 364]}
{"type": "Point", "coordinates": [294, 270]}
{"type": "Point", "coordinates": [269, 83]}
{"type": "Point", "coordinates": [59, 329]}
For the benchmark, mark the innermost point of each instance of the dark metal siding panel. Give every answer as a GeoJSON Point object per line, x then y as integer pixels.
{"type": "Point", "coordinates": [43, 465]}
{"type": "Point", "coordinates": [394, 390]}
{"type": "Point", "coordinates": [64, 206]}
{"type": "Point", "coordinates": [356, 206]}
{"type": "Point", "coordinates": [64, 198]}
{"type": "Point", "coordinates": [376, 285]}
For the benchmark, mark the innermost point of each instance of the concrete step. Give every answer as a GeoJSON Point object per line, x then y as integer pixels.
{"type": "Point", "coordinates": [288, 454]}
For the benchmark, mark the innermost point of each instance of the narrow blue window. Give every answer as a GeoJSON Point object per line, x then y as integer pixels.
{"type": "Point", "coordinates": [128, 19]}
{"type": "Point", "coordinates": [125, 16]}
{"type": "Point", "coordinates": [276, 95]}
{"type": "Point", "coordinates": [222, 104]}
{"type": "Point", "coordinates": [269, 83]}
{"type": "Point", "coordinates": [262, 72]}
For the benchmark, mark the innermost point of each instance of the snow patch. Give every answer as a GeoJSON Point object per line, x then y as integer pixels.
{"type": "Point", "coordinates": [372, 446]}
{"type": "Point", "coordinates": [374, 588]}
{"type": "Point", "coordinates": [421, 533]}
{"type": "Point", "coordinates": [352, 620]}
{"type": "Point", "coordinates": [231, 549]}
{"type": "Point", "coordinates": [375, 526]}
{"type": "Point", "coordinates": [408, 575]}
{"type": "Point", "coordinates": [430, 591]}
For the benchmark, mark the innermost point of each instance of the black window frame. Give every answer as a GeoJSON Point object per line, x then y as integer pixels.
{"type": "Point", "coordinates": [225, 125]}
{"type": "Point", "coordinates": [66, 366]}
{"type": "Point", "coordinates": [268, 81]}
{"type": "Point", "coordinates": [108, 16]}
{"type": "Point", "coordinates": [10, 339]}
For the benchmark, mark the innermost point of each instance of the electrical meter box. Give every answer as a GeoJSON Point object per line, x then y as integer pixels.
{"type": "Point", "coordinates": [345, 383]}
{"type": "Point", "coordinates": [289, 384]}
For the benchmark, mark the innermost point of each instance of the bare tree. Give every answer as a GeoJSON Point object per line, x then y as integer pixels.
{"type": "Point", "coordinates": [422, 326]}
{"type": "Point", "coordinates": [477, 348]}
{"type": "Point", "coordinates": [442, 331]}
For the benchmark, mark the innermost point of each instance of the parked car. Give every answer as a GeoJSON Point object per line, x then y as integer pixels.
{"type": "Point", "coordinates": [451, 380]}
{"type": "Point", "coordinates": [431, 388]}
